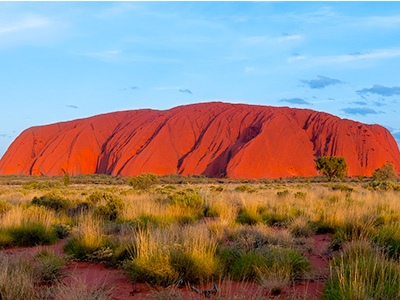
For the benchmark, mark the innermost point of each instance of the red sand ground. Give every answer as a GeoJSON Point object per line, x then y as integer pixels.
{"type": "Point", "coordinates": [216, 139]}
{"type": "Point", "coordinates": [122, 287]}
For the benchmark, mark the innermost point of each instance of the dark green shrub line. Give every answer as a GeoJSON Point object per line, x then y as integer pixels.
{"type": "Point", "coordinates": [27, 235]}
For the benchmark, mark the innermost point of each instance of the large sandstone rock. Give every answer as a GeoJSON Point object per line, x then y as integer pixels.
{"type": "Point", "coordinates": [216, 139]}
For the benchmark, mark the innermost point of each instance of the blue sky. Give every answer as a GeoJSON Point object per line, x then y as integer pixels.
{"type": "Point", "coordinates": [65, 60]}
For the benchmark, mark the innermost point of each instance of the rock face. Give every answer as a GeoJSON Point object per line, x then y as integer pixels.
{"type": "Point", "coordinates": [216, 139]}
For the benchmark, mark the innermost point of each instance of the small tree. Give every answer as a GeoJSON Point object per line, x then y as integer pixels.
{"type": "Point", "coordinates": [143, 181]}
{"type": "Point", "coordinates": [66, 179]}
{"type": "Point", "coordinates": [386, 172]}
{"type": "Point", "coordinates": [332, 166]}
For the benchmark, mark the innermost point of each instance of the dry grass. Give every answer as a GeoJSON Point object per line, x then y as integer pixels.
{"type": "Point", "coordinates": [16, 278]}
{"type": "Point", "coordinates": [167, 245]}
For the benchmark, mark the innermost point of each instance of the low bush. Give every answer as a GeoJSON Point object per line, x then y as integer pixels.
{"type": "Point", "coordinates": [384, 186]}
{"type": "Point", "coordinates": [62, 230]}
{"type": "Point", "coordinates": [255, 238]}
{"type": "Point", "coordinates": [143, 181]}
{"type": "Point", "coordinates": [301, 227]}
{"type": "Point", "coordinates": [28, 234]}
{"type": "Point", "coordinates": [186, 200]}
{"type": "Point", "coordinates": [165, 256]}
{"type": "Point", "coordinates": [155, 269]}
{"type": "Point", "coordinates": [95, 197]}
{"type": "Point", "coordinates": [248, 217]}
{"type": "Point", "coordinates": [385, 173]}
{"type": "Point", "coordinates": [83, 247]}
{"type": "Point", "coordinates": [42, 184]}
{"type": "Point", "coordinates": [211, 211]}
{"type": "Point", "coordinates": [283, 193]}
{"type": "Point", "coordinates": [52, 201]}
{"type": "Point", "coordinates": [194, 267]}
{"type": "Point", "coordinates": [245, 188]}
{"type": "Point", "coordinates": [275, 218]}
{"type": "Point", "coordinates": [300, 195]}
{"type": "Point", "coordinates": [342, 187]}
{"type": "Point", "coordinates": [246, 265]}
{"type": "Point", "coordinates": [388, 237]}
{"type": "Point", "coordinates": [280, 258]}
{"type": "Point", "coordinates": [145, 221]}
{"type": "Point", "coordinates": [361, 272]}
{"type": "Point", "coordinates": [111, 209]}
{"type": "Point", "coordinates": [48, 266]}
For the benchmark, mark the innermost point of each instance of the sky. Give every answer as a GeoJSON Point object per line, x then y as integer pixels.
{"type": "Point", "coordinates": [61, 61]}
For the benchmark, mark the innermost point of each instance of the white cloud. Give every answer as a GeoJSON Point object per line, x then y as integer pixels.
{"type": "Point", "coordinates": [296, 58]}
{"type": "Point", "coordinates": [289, 38]}
{"type": "Point", "coordinates": [27, 23]}
{"type": "Point", "coordinates": [377, 54]}
{"type": "Point", "coordinates": [249, 69]}
{"type": "Point", "coordinates": [380, 21]}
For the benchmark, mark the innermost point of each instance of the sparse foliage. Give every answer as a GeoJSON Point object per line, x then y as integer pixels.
{"type": "Point", "coordinates": [332, 166]}
{"type": "Point", "coordinates": [143, 181]}
{"type": "Point", "coordinates": [386, 172]}
{"type": "Point", "coordinates": [66, 179]}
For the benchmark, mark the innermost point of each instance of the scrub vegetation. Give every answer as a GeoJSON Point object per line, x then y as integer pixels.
{"type": "Point", "coordinates": [195, 231]}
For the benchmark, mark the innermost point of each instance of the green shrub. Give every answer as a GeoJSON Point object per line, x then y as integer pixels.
{"type": "Point", "coordinates": [362, 273]}
{"type": "Point", "coordinates": [111, 209]}
{"type": "Point", "coordinates": [227, 256]}
{"type": "Point", "coordinates": [48, 266]}
{"type": "Point", "coordinates": [248, 217]}
{"type": "Point", "coordinates": [27, 235]}
{"type": "Point", "coordinates": [211, 212]}
{"type": "Point", "coordinates": [82, 249]}
{"type": "Point", "coordinates": [384, 186]}
{"type": "Point", "coordinates": [143, 181]}
{"type": "Point", "coordinates": [170, 187]}
{"type": "Point", "coordinates": [155, 269]}
{"type": "Point", "coordinates": [245, 188]}
{"type": "Point", "coordinates": [332, 166]}
{"type": "Point", "coordinates": [246, 266]}
{"type": "Point", "coordinates": [62, 230]}
{"type": "Point", "coordinates": [145, 221]}
{"type": "Point", "coordinates": [101, 255]}
{"type": "Point", "coordinates": [388, 237]}
{"type": "Point", "coordinates": [385, 173]}
{"type": "Point", "coordinates": [194, 267]}
{"type": "Point", "coordinates": [42, 184]}
{"type": "Point", "coordinates": [219, 188]}
{"type": "Point", "coordinates": [187, 219]}
{"type": "Point", "coordinates": [343, 188]}
{"type": "Point", "coordinates": [95, 197]}
{"type": "Point", "coordinates": [275, 219]}
{"type": "Point", "coordinates": [191, 200]}
{"type": "Point", "coordinates": [282, 194]}
{"type": "Point", "coordinates": [52, 201]}
{"type": "Point", "coordinates": [300, 195]}
{"type": "Point", "coordinates": [242, 188]}
{"type": "Point", "coordinates": [322, 226]}
{"type": "Point", "coordinates": [289, 259]}
{"type": "Point", "coordinates": [66, 179]}
{"type": "Point", "coordinates": [6, 240]}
